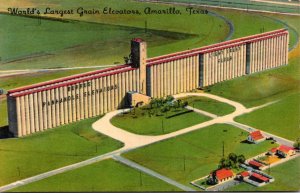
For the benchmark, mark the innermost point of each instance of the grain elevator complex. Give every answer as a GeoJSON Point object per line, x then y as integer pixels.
{"type": "Point", "coordinates": [61, 101]}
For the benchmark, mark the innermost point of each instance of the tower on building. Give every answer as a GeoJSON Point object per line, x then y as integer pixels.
{"type": "Point", "coordinates": [138, 59]}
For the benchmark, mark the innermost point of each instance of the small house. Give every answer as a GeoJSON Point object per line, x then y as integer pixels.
{"type": "Point", "coordinates": [272, 151]}
{"type": "Point", "coordinates": [256, 165]}
{"type": "Point", "coordinates": [221, 175]}
{"type": "Point", "coordinates": [285, 151]}
{"type": "Point", "coordinates": [255, 137]}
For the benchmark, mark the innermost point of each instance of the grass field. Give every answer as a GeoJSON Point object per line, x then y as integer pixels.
{"type": "Point", "coordinates": [71, 43]}
{"type": "Point", "coordinates": [209, 105]}
{"type": "Point", "coordinates": [3, 112]}
{"type": "Point", "coordinates": [54, 148]}
{"type": "Point", "coordinates": [156, 125]}
{"type": "Point", "coordinates": [196, 154]}
{"type": "Point", "coordinates": [285, 175]}
{"type": "Point", "coordinates": [106, 40]}
{"type": "Point", "coordinates": [281, 118]}
{"type": "Point", "coordinates": [100, 177]}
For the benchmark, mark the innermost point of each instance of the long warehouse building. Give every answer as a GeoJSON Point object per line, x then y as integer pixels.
{"type": "Point", "coordinates": [46, 105]}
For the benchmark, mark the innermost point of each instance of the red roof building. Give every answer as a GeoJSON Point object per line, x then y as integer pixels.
{"type": "Point", "coordinates": [286, 151]}
{"type": "Point", "coordinates": [255, 164]}
{"type": "Point", "coordinates": [273, 150]}
{"type": "Point", "coordinates": [224, 174]}
{"type": "Point", "coordinates": [244, 174]}
{"type": "Point", "coordinates": [255, 137]}
{"type": "Point", "coordinates": [259, 177]}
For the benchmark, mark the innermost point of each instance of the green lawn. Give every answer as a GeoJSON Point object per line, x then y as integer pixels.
{"type": "Point", "coordinates": [209, 105]}
{"type": "Point", "coordinates": [285, 175]}
{"type": "Point", "coordinates": [141, 123]}
{"type": "Point", "coordinates": [54, 148]}
{"type": "Point", "coordinates": [3, 112]}
{"type": "Point", "coordinates": [107, 175]}
{"type": "Point", "coordinates": [72, 43]}
{"type": "Point", "coordinates": [281, 118]}
{"type": "Point", "coordinates": [196, 154]}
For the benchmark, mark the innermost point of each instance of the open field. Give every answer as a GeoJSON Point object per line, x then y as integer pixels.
{"type": "Point", "coordinates": [156, 125]}
{"type": "Point", "coordinates": [209, 105]}
{"type": "Point", "coordinates": [54, 148]}
{"type": "Point", "coordinates": [107, 175]}
{"type": "Point", "coordinates": [200, 152]}
{"type": "Point", "coordinates": [107, 39]}
{"type": "Point", "coordinates": [281, 118]}
{"type": "Point", "coordinates": [71, 44]}
{"type": "Point", "coordinates": [3, 112]}
{"type": "Point", "coordinates": [285, 175]}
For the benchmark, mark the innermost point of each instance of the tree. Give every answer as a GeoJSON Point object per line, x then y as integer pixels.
{"type": "Point", "coordinates": [185, 103]}
{"type": "Point", "coordinates": [212, 179]}
{"type": "Point", "coordinates": [163, 109]}
{"type": "Point", "coordinates": [297, 143]}
{"type": "Point", "coordinates": [228, 163]}
{"type": "Point", "coordinates": [152, 103]}
{"type": "Point", "coordinates": [222, 163]}
{"type": "Point", "coordinates": [241, 159]}
{"type": "Point", "coordinates": [233, 157]}
{"type": "Point", "coordinates": [169, 98]}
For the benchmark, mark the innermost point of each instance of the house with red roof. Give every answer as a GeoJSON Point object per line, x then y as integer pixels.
{"type": "Point", "coordinates": [285, 151]}
{"type": "Point", "coordinates": [272, 151]}
{"type": "Point", "coordinates": [243, 175]}
{"type": "Point", "coordinates": [255, 137]}
{"type": "Point", "coordinates": [221, 175]}
{"type": "Point", "coordinates": [256, 165]}
{"type": "Point", "coordinates": [259, 178]}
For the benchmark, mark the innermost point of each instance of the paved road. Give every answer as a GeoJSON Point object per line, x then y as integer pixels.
{"type": "Point", "coordinates": [278, 3]}
{"type": "Point", "coordinates": [202, 112]}
{"type": "Point", "coordinates": [278, 139]}
{"type": "Point", "coordinates": [58, 171]}
{"type": "Point", "coordinates": [151, 172]}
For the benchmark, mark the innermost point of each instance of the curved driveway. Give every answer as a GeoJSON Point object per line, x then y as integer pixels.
{"type": "Point", "coordinates": [132, 141]}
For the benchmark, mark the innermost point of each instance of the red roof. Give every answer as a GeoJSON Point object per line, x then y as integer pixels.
{"type": "Point", "coordinates": [255, 163]}
{"type": "Point", "coordinates": [137, 39]}
{"type": "Point", "coordinates": [248, 38]}
{"type": "Point", "coordinates": [285, 148]}
{"type": "Point", "coordinates": [273, 150]}
{"type": "Point", "coordinates": [256, 135]}
{"type": "Point", "coordinates": [223, 173]}
{"type": "Point", "coordinates": [260, 177]}
{"type": "Point", "coordinates": [244, 174]}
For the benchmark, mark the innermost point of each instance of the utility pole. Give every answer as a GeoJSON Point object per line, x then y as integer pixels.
{"type": "Point", "coordinates": [223, 150]}
{"type": "Point", "coordinates": [141, 180]}
{"type": "Point", "coordinates": [146, 26]}
{"type": "Point", "coordinates": [19, 171]}
{"type": "Point", "coordinates": [39, 20]}
{"type": "Point", "coordinates": [183, 163]}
